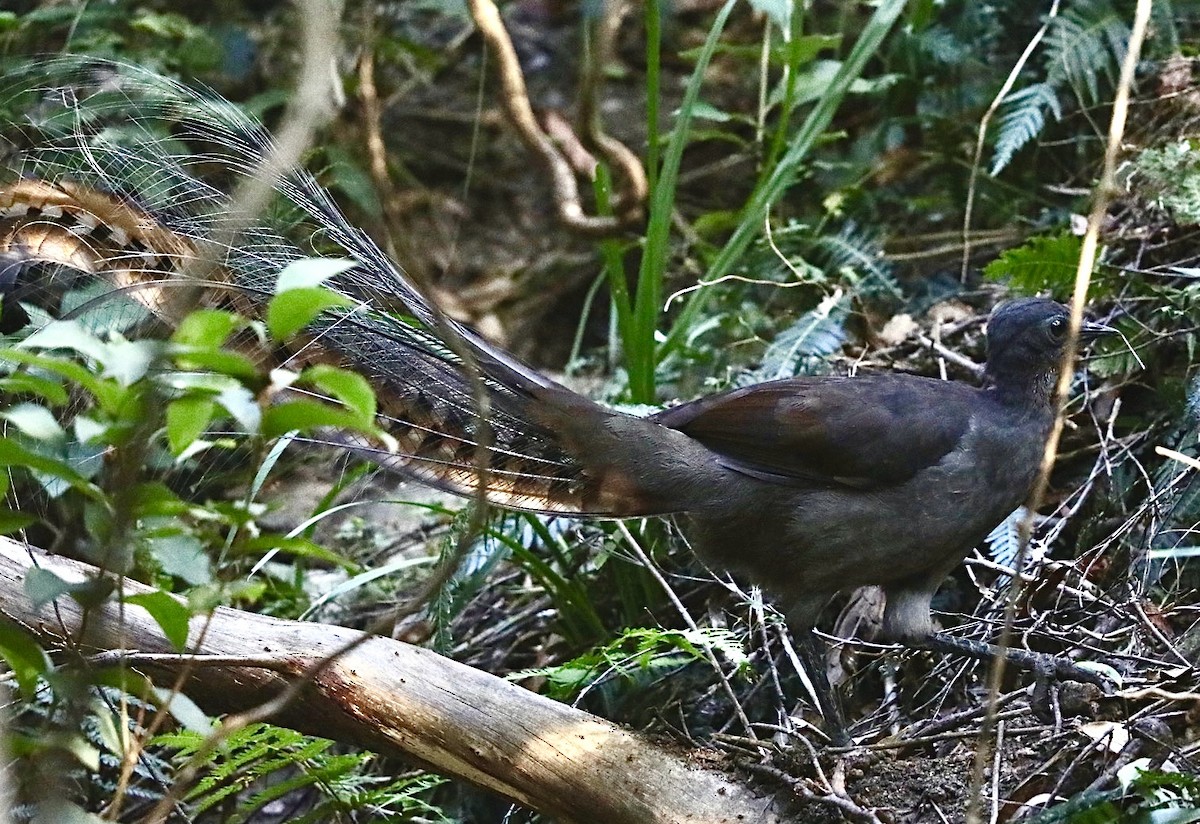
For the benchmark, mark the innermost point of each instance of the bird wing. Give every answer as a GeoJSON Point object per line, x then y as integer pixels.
{"type": "Point", "coordinates": [865, 433]}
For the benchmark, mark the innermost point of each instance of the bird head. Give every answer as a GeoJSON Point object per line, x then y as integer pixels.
{"type": "Point", "coordinates": [1025, 342]}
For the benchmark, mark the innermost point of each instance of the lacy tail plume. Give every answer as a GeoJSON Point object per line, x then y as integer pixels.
{"type": "Point", "coordinates": [140, 220]}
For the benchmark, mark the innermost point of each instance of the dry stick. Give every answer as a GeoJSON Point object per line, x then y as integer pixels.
{"type": "Point", "coordinates": [130, 757]}
{"type": "Point", "coordinates": [1087, 260]}
{"type": "Point", "coordinates": [842, 803]}
{"type": "Point", "coordinates": [515, 99]}
{"type": "Point", "coordinates": [996, 771]}
{"type": "Point", "coordinates": [985, 121]}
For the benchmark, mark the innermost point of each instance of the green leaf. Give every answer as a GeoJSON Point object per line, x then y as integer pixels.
{"type": "Point", "coordinates": [291, 311]}
{"type": "Point", "coordinates": [35, 421]}
{"type": "Point", "coordinates": [305, 415]}
{"type": "Point", "coordinates": [106, 729]}
{"type": "Point", "coordinates": [107, 393]}
{"type": "Point", "coordinates": [43, 586]}
{"type": "Point", "coordinates": [50, 390]}
{"type": "Point", "coordinates": [1021, 120]}
{"type": "Point", "coordinates": [170, 614]}
{"type": "Point", "coordinates": [1044, 263]}
{"type": "Point", "coordinates": [11, 520]}
{"type": "Point", "coordinates": [24, 657]}
{"type": "Point", "coordinates": [155, 499]}
{"type": "Point", "coordinates": [66, 334]}
{"type": "Point", "coordinates": [220, 361]}
{"type": "Point", "coordinates": [129, 361]}
{"type": "Point", "coordinates": [187, 419]}
{"type": "Point", "coordinates": [294, 546]}
{"type": "Point", "coordinates": [207, 328]}
{"type": "Point", "coordinates": [239, 402]}
{"type": "Point", "coordinates": [88, 430]}
{"type": "Point", "coordinates": [13, 454]}
{"type": "Point", "coordinates": [185, 711]}
{"type": "Point", "coordinates": [181, 556]}
{"type": "Point", "coordinates": [348, 387]}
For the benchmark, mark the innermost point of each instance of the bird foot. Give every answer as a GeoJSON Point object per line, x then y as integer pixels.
{"type": "Point", "coordinates": [811, 652]}
{"type": "Point", "coordinates": [1042, 664]}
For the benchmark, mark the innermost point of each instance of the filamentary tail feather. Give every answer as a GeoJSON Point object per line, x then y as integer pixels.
{"type": "Point", "coordinates": [127, 206]}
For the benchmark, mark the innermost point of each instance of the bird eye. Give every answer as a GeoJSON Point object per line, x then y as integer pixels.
{"type": "Point", "coordinates": [1057, 327]}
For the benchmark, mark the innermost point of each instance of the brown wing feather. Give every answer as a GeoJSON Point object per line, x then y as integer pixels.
{"type": "Point", "coordinates": [864, 432]}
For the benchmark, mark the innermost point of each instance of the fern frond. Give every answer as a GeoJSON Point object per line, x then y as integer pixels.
{"type": "Point", "coordinates": [1085, 44]}
{"type": "Point", "coordinates": [1044, 263]}
{"type": "Point", "coordinates": [854, 250]}
{"type": "Point", "coordinates": [806, 343]}
{"type": "Point", "coordinates": [1022, 118]}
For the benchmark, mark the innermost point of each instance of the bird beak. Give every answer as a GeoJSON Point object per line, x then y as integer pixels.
{"type": "Point", "coordinates": [1090, 331]}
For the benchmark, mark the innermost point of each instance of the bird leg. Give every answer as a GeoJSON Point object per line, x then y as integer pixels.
{"type": "Point", "coordinates": [812, 654]}
{"type": "Point", "coordinates": [1041, 663]}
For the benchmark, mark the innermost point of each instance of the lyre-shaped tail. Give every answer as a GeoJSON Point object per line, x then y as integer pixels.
{"type": "Point", "coordinates": [88, 208]}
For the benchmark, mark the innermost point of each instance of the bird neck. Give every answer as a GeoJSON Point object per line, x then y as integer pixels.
{"type": "Point", "coordinates": [1031, 389]}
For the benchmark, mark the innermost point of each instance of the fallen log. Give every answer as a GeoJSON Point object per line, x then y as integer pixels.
{"type": "Point", "coordinates": [397, 699]}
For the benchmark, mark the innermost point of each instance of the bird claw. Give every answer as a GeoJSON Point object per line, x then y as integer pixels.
{"type": "Point", "coordinates": [1043, 665]}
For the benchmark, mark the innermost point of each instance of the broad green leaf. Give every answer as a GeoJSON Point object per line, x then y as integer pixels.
{"type": "Point", "coordinates": [187, 419]}
{"type": "Point", "coordinates": [129, 361]}
{"type": "Point", "coordinates": [88, 755]}
{"type": "Point", "coordinates": [185, 711]}
{"type": "Point", "coordinates": [348, 387]}
{"type": "Point", "coordinates": [291, 311]}
{"type": "Point", "coordinates": [24, 657]}
{"type": "Point", "coordinates": [239, 402]}
{"type": "Point", "coordinates": [221, 361]}
{"type": "Point", "coordinates": [43, 586]}
{"type": "Point", "coordinates": [107, 393]}
{"type": "Point", "coordinates": [206, 328]}
{"type": "Point", "coordinates": [66, 334]}
{"type": "Point", "coordinates": [170, 614]}
{"type": "Point", "coordinates": [305, 415]}
{"type": "Point", "coordinates": [13, 454]}
{"type": "Point", "coordinates": [155, 499]}
{"type": "Point", "coordinates": [88, 429]}
{"type": "Point", "coordinates": [107, 730]}
{"type": "Point", "coordinates": [294, 546]}
{"type": "Point", "coordinates": [181, 556]}
{"type": "Point", "coordinates": [11, 520]}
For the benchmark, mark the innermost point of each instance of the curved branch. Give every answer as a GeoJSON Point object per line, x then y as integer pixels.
{"type": "Point", "coordinates": [514, 97]}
